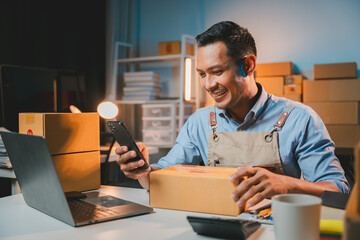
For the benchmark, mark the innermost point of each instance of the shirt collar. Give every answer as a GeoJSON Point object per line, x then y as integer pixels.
{"type": "Point", "coordinates": [255, 111]}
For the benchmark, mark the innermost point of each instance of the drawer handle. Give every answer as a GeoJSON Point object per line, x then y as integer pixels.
{"type": "Point", "coordinates": [156, 124]}
{"type": "Point", "coordinates": [156, 137]}
{"type": "Point", "coordinates": [156, 110]}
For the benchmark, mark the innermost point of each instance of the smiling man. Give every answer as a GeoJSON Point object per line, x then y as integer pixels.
{"type": "Point", "coordinates": [278, 145]}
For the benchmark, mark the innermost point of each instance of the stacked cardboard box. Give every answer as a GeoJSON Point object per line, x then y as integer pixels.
{"type": "Point", "coordinates": [73, 140]}
{"type": "Point", "coordinates": [279, 79]}
{"type": "Point", "coordinates": [335, 95]}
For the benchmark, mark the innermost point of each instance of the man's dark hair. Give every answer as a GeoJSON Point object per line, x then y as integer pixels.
{"type": "Point", "coordinates": [237, 39]}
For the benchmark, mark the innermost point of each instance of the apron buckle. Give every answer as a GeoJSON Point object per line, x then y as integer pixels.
{"type": "Point", "coordinates": [268, 137]}
{"type": "Point", "coordinates": [215, 137]}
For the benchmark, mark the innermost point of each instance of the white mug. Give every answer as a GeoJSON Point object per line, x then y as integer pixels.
{"type": "Point", "coordinates": [296, 216]}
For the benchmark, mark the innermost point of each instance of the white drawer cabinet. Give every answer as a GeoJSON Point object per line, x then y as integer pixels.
{"type": "Point", "coordinates": [160, 123]}
{"type": "Point", "coordinates": [158, 137]}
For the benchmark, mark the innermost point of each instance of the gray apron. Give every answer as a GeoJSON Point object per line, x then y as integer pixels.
{"type": "Point", "coordinates": [240, 149]}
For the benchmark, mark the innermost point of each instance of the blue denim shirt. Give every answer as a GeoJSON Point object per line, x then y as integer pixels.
{"type": "Point", "coordinates": [305, 145]}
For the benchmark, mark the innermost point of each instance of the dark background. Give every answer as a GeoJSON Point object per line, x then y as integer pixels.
{"type": "Point", "coordinates": [56, 34]}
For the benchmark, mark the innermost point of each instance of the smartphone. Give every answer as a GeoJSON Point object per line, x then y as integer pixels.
{"type": "Point", "coordinates": [123, 137]}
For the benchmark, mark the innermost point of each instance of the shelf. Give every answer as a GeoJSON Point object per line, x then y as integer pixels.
{"type": "Point", "coordinates": [153, 58]}
{"type": "Point", "coordinates": [152, 101]}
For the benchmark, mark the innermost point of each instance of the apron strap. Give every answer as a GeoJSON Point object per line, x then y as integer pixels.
{"type": "Point", "coordinates": [213, 124]}
{"type": "Point", "coordinates": [281, 121]}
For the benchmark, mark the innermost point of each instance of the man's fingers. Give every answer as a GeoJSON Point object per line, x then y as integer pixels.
{"type": "Point", "coordinates": [137, 173]}
{"type": "Point", "coordinates": [123, 158]}
{"type": "Point", "coordinates": [121, 149]}
{"type": "Point", "coordinates": [254, 194]}
{"type": "Point", "coordinates": [247, 186]}
{"type": "Point", "coordinates": [241, 173]}
{"type": "Point", "coordinates": [131, 165]}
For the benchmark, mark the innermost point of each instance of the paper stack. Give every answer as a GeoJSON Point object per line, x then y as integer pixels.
{"type": "Point", "coordinates": [141, 85]}
{"type": "Point", "coordinates": [4, 158]}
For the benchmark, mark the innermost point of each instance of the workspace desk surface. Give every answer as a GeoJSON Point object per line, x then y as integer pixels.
{"type": "Point", "coordinates": [19, 221]}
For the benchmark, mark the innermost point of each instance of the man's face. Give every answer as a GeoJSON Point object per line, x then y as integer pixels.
{"type": "Point", "coordinates": [219, 75]}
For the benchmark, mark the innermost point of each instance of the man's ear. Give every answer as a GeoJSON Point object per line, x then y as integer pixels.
{"type": "Point", "coordinates": [250, 64]}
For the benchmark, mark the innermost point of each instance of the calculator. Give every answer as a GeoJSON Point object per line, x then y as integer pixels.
{"type": "Point", "coordinates": [226, 228]}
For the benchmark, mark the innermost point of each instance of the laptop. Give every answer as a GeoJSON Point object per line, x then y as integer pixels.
{"type": "Point", "coordinates": [41, 187]}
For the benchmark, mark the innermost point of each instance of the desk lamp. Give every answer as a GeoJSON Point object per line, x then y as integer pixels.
{"type": "Point", "coordinates": [108, 110]}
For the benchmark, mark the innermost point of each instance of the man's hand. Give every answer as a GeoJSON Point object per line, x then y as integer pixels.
{"type": "Point", "coordinates": [131, 169]}
{"type": "Point", "coordinates": [257, 181]}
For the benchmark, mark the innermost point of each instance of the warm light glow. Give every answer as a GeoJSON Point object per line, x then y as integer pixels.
{"type": "Point", "coordinates": [107, 110]}
{"type": "Point", "coordinates": [187, 79]}
{"type": "Point", "coordinates": [74, 109]}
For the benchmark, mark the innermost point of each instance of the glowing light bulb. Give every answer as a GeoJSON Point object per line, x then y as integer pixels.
{"type": "Point", "coordinates": [107, 110]}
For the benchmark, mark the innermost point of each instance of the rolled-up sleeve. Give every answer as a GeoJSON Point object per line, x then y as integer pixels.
{"type": "Point", "coordinates": [315, 153]}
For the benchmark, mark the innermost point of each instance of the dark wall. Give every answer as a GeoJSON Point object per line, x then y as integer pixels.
{"type": "Point", "coordinates": [57, 34]}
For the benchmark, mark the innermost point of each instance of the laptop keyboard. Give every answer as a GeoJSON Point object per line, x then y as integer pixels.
{"type": "Point", "coordinates": [85, 211]}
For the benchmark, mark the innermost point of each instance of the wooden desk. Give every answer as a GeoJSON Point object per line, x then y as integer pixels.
{"type": "Point", "coordinates": [19, 221]}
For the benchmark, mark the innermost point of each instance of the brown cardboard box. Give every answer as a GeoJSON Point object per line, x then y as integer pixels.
{"type": "Point", "coordinates": [78, 171]}
{"type": "Point", "coordinates": [293, 97]}
{"type": "Point", "coordinates": [274, 69]}
{"type": "Point", "coordinates": [337, 112]}
{"type": "Point", "coordinates": [194, 188]}
{"type": "Point", "coordinates": [293, 89]}
{"type": "Point", "coordinates": [335, 70]}
{"type": "Point", "coordinates": [331, 90]}
{"type": "Point", "coordinates": [272, 85]}
{"type": "Point", "coordinates": [352, 216]}
{"type": "Point", "coordinates": [294, 79]}
{"type": "Point", "coordinates": [174, 47]}
{"type": "Point", "coordinates": [344, 136]}
{"type": "Point", "coordinates": [352, 211]}
{"type": "Point", "coordinates": [64, 132]}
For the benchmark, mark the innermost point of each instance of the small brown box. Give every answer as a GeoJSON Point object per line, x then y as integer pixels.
{"type": "Point", "coordinates": [293, 89]}
{"type": "Point", "coordinates": [73, 140]}
{"type": "Point", "coordinates": [194, 188]}
{"type": "Point", "coordinates": [294, 79]}
{"type": "Point", "coordinates": [337, 112]}
{"type": "Point", "coordinates": [274, 69]}
{"type": "Point", "coordinates": [272, 85]}
{"type": "Point", "coordinates": [293, 97]}
{"type": "Point", "coordinates": [335, 70]}
{"type": "Point", "coordinates": [174, 47]}
{"type": "Point", "coordinates": [331, 90]}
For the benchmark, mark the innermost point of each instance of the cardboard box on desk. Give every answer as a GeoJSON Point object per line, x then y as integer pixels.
{"type": "Point", "coordinates": [331, 90]}
{"type": "Point", "coordinates": [74, 143]}
{"type": "Point", "coordinates": [274, 69]}
{"type": "Point", "coordinates": [64, 132]}
{"type": "Point", "coordinates": [194, 188]}
{"type": "Point", "coordinates": [78, 171]}
{"type": "Point", "coordinates": [335, 70]}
